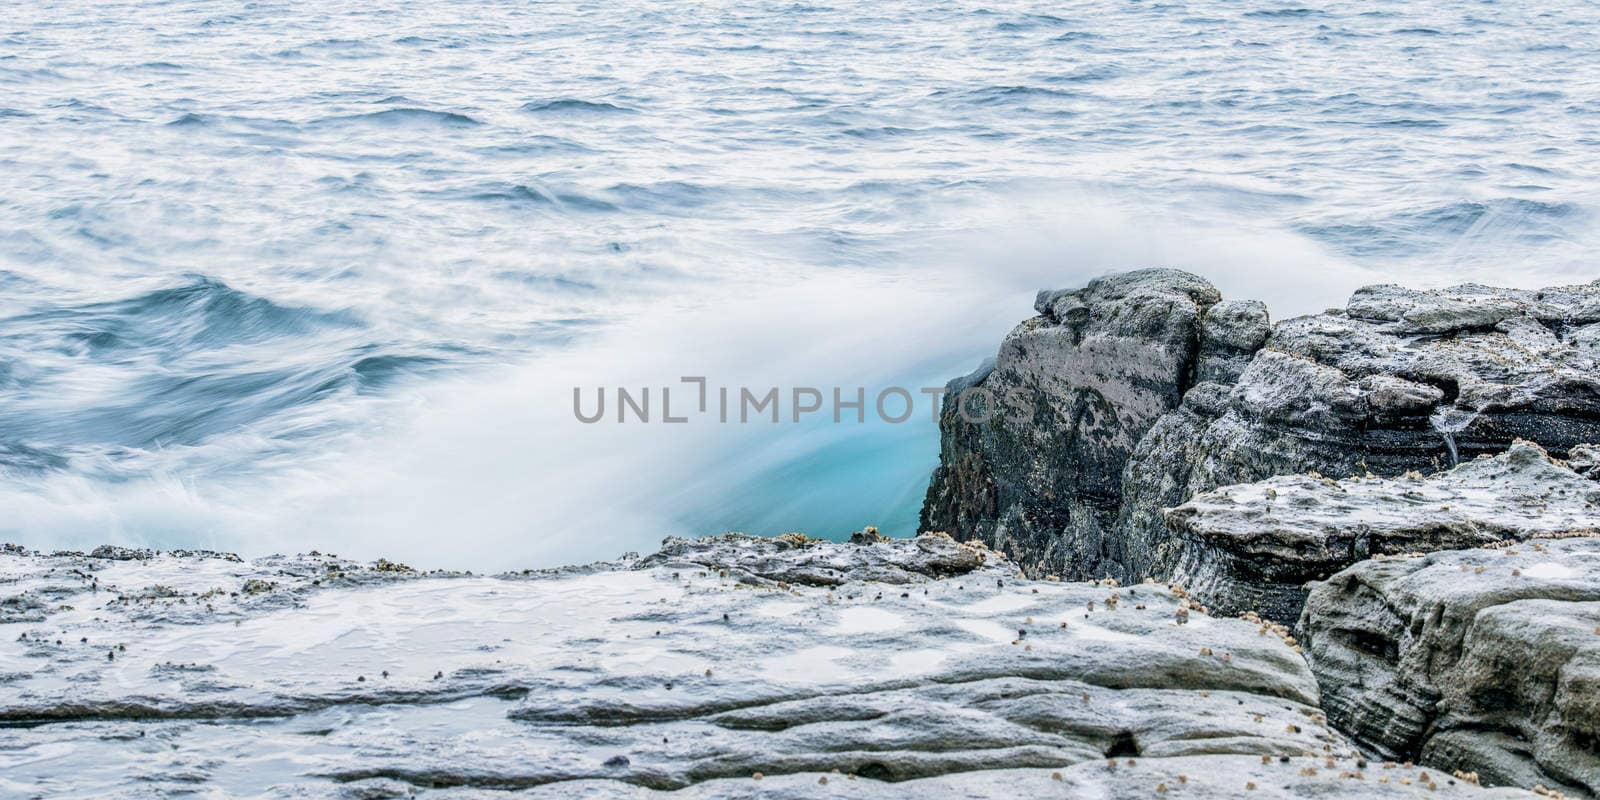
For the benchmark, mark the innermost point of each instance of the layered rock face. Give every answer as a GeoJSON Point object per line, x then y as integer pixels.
{"type": "Point", "coordinates": [1067, 400]}
{"type": "Point", "coordinates": [725, 667]}
{"type": "Point", "coordinates": [1484, 659]}
{"type": "Point", "coordinates": [1148, 388]}
{"type": "Point", "coordinates": [1253, 547]}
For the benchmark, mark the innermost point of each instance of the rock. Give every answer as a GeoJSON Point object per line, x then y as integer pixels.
{"type": "Point", "coordinates": [1252, 547]}
{"type": "Point", "coordinates": [1486, 660]}
{"type": "Point", "coordinates": [1202, 777]}
{"type": "Point", "coordinates": [1068, 398]}
{"type": "Point", "coordinates": [796, 559]}
{"type": "Point", "coordinates": [692, 669]}
{"type": "Point", "coordinates": [1230, 333]}
{"type": "Point", "coordinates": [1193, 398]}
{"type": "Point", "coordinates": [1585, 460]}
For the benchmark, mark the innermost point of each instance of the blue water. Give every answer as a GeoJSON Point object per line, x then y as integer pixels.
{"type": "Point", "coordinates": [276, 276]}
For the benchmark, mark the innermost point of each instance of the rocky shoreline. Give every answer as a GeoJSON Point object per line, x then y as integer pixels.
{"type": "Point", "coordinates": [723, 667]}
{"type": "Point", "coordinates": [1177, 436]}
{"type": "Point", "coordinates": [1148, 388]}
{"type": "Point", "coordinates": [1346, 555]}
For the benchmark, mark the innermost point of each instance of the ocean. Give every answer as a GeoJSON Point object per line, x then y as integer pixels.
{"type": "Point", "coordinates": [276, 277]}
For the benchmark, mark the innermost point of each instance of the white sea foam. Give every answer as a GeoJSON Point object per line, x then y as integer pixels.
{"type": "Point", "coordinates": [267, 284]}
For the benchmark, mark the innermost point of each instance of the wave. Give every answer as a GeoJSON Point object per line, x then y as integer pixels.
{"type": "Point", "coordinates": [1490, 223]}
{"type": "Point", "coordinates": [1030, 22]}
{"type": "Point", "coordinates": [174, 367]}
{"type": "Point", "coordinates": [198, 314]}
{"type": "Point", "coordinates": [574, 106]}
{"type": "Point", "coordinates": [535, 196]}
{"type": "Point", "coordinates": [403, 117]}
{"type": "Point", "coordinates": [498, 459]}
{"type": "Point", "coordinates": [1284, 13]}
{"type": "Point", "coordinates": [663, 195]}
{"type": "Point", "coordinates": [993, 95]}
{"type": "Point", "coordinates": [1408, 123]}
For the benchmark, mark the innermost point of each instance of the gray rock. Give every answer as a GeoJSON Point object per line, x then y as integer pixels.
{"type": "Point", "coordinates": [1253, 547]}
{"type": "Point", "coordinates": [1486, 660]}
{"type": "Point", "coordinates": [797, 559]}
{"type": "Point", "coordinates": [1230, 333]}
{"type": "Point", "coordinates": [1585, 460]}
{"type": "Point", "coordinates": [1201, 777]}
{"type": "Point", "coordinates": [1068, 398]}
{"type": "Point", "coordinates": [1399, 380]}
{"type": "Point", "coordinates": [689, 670]}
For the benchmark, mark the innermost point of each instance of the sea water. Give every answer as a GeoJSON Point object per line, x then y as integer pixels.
{"type": "Point", "coordinates": [277, 276]}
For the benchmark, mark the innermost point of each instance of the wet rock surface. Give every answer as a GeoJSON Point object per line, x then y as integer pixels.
{"type": "Point", "coordinates": [1482, 659]}
{"type": "Point", "coordinates": [1253, 547]}
{"type": "Point", "coordinates": [692, 670]}
{"type": "Point", "coordinates": [1149, 388]}
{"type": "Point", "coordinates": [794, 558]}
{"type": "Point", "coordinates": [1191, 777]}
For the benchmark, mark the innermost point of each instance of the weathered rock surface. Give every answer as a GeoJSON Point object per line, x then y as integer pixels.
{"type": "Point", "coordinates": [1485, 659]}
{"type": "Point", "coordinates": [1147, 388]}
{"type": "Point", "coordinates": [1204, 777]}
{"type": "Point", "coordinates": [1070, 395]}
{"type": "Point", "coordinates": [1253, 547]}
{"type": "Point", "coordinates": [146, 674]}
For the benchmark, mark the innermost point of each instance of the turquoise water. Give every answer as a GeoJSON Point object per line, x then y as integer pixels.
{"type": "Point", "coordinates": [278, 277]}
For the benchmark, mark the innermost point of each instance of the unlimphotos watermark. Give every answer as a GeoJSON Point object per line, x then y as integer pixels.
{"type": "Point", "coordinates": [698, 400]}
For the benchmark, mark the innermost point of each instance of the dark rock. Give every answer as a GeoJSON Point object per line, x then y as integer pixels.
{"type": "Point", "coordinates": [1067, 399]}
{"type": "Point", "coordinates": [1147, 389]}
